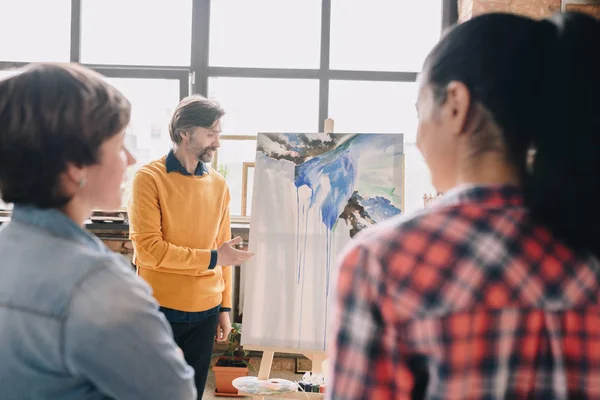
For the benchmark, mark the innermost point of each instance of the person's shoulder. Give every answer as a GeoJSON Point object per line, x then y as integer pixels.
{"type": "Point", "coordinates": [110, 286]}
{"type": "Point", "coordinates": [99, 261]}
{"type": "Point", "coordinates": [153, 168]}
{"type": "Point", "coordinates": [63, 253]}
{"type": "Point", "coordinates": [383, 236]}
{"type": "Point", "coordinates": [216, 175]}
{"type": "Point", "coordinates": [65, 266]}
{"type": "Point", "coordinates": [151, 173]}
{"type": "Point", "coordinates": [407, 257]}
{"type": "Point", "coordinates": [218, 183]}
{"type": "Point", "coordinates": [398, 244]}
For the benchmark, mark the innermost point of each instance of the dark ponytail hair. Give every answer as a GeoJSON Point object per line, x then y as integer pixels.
{"type": "Point", "coordinates": [540, 81]}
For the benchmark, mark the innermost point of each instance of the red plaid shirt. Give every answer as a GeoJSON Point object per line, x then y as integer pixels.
{"type": "Point", "coordinates": [469, 299]}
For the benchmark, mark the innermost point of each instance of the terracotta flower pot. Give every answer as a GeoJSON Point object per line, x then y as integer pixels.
{"type": "Point", "coordinates": [226, 369]}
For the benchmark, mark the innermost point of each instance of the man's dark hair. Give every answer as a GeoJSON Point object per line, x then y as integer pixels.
{"type": "Point", "coordinates": [51, 115]}
{"type": "Point", "coordinates": [193, 111]}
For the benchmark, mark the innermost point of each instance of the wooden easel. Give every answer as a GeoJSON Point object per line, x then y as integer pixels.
{"type": "Point", "coordinates": [266, 363]}
{"type": "Point", "coordinates": [316, 357]}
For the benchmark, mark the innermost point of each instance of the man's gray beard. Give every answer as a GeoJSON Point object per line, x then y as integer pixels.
{"type": "Point", "coordinates": [205, 156]}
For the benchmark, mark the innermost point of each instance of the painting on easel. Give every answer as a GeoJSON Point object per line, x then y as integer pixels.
{"type": "Point", "coordinates": [312, 194]}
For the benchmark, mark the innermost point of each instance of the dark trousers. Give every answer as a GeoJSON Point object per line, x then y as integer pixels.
{"type": "Point", "coordinates": [195, 333]}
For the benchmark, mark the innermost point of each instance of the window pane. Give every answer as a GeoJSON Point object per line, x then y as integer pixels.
{"type": "Point", "coordinates": [7, 73]}
{"type": "Point", "coordinates": [230, 163]}
{"type": "Point", "coordinates": [266, 105]}
{"type": "Point", "coordinates": [35, 30]}
{"type": "Point", "coordinates": [148, 132]}
{"type": "Point", "coordinates": [366, 107]}
{"type": "Point", "coordinates": [417, 179]}
{"type": "Point", "coordinates": [383, 35]}
{"type": "Point", "coordinates": [265, 33]}
{"type": "Point", "coordinates": [259, 105]}
{"type": "Point", "coordinates": [136, 32]}
{"type": "Point", "coordinates": [4, 206]}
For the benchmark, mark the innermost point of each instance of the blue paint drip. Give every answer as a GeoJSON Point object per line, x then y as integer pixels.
{"type": "Point", "coordinates": [298, 233]}
{"type": "Point", "coordinates": [340, 171]}
{"type": "Point", "coordinates": [329, 236]}
{"type": "Point", "coordinates": [300, 264]}
{"type": "Point", "coordinates": [302, 259]}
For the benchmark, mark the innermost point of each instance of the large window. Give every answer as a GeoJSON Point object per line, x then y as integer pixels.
{"type": "Point", "coordinates": [287, 66]}
{"type": "Point", "coordinates": [273, 65]}
{"type": "Point", "coordinates": [7, 73]}
{"type": "Point", "coordinates": [374, 107]}
{"type": "Point", "coordinates": [136, 32]}
{"type": "Point", "coordinates": [265, 33]}
{"type": "Point", "coordinates": [266, 105]}
{"type": "Point", "coordinates": [383, 35]}
{"type": "Point", "coordinates": [147, 135]}
{"type": "Point", "coordinates": [35, 30]}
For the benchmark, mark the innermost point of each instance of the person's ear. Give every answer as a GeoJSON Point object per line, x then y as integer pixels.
{"type": "Point", "coordinates": [72, 179]}
{"type": "Point", "coordinates": [455, 110]}
{"type": "Point", "coordinates": [183, 135]}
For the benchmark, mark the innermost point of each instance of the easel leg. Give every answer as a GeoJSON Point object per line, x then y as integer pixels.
{"type": "Point", "coordinates": [317, 364]}
{"type": "Point", "coordinates": [265, 365]}
{"type": "Point", "coordinates": [265, 369]}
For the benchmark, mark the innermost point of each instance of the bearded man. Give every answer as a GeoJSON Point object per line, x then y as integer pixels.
{"type": "Point", "coordinates": [180, 229]}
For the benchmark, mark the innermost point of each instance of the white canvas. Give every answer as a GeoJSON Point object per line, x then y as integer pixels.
{"type": "Point", "coordinates": [311, 193]}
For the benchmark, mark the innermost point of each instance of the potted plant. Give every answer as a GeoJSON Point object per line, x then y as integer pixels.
{"type": "Point", "coordinates": [233, 364]}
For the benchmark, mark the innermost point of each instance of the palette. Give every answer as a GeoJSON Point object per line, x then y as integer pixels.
{"type": "Point", "coordinates": [252, 385]}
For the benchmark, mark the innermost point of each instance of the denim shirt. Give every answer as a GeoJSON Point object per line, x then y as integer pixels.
{"type": "Point", "coordinates": [75, 321]}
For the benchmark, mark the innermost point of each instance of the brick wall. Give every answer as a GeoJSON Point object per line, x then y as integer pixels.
{"type": "Point", "coordinates": [532, 8]}
{"type": "Point", "coordinates": [465, 10]}
{"type": "Point", "coordinates": [589, 9]}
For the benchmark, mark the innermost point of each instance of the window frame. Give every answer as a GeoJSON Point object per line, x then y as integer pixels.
{"type": "Point", "coordinates": [202, 71]}
{"type": "Point", "coordinates": [194, 79]}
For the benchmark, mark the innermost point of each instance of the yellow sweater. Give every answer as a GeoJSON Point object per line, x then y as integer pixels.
{"type": "Point", "coordinates": [175, 221]}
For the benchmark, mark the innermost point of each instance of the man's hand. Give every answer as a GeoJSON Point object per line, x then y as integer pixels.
{"type": "Point", "coordinates": [228, 255]}
{"type": "Point", "coordinates": [223, 327]}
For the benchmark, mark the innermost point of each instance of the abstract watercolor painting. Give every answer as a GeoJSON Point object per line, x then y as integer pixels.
{"type": "Point", "coordinates": [312, 194]}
